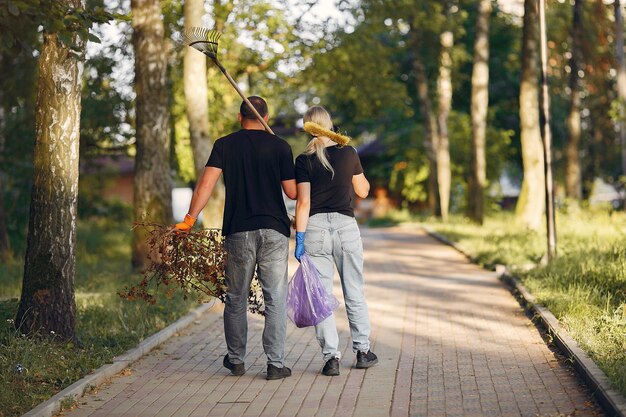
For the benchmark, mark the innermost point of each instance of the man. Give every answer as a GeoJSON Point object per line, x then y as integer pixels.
{"type": "Point", "coordinates": [256, 166]}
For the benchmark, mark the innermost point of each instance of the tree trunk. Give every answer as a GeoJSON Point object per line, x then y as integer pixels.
{"type": "Point", "coordinates": [621, 78]}
{"type": "Point", "coordinates": [444, 93]}
{"type": "Point", "coordinates": [431, 140]}
{"type": "Point", "coordinates": [221, 11]}
{"type": "Point", "coordinates": [152, 184]}
{"type": "Point", "coordinates": [197, 103]}
{"type": "Point", "coordinates": [47, 302]}
{"type": "Point", "coordinates": [5, 246]}
{"type": "Point", "coordinates": [573, 178]}
{"type": "Point", "coordinates": [531, 203]}
{"type": "Point", "coordinates": [480, 106]}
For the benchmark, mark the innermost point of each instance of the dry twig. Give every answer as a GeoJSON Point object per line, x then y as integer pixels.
{"type": "Point", "coordinates": [193, 261]}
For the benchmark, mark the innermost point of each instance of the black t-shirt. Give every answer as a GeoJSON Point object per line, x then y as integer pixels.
{"type": "Point", "coordinates": [254, 163]}
{"type": "Point", "coordinates": [330, 194]}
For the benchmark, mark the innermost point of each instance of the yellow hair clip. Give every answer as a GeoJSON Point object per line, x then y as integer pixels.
{"type": "Point", "coordinates": [317, 130]}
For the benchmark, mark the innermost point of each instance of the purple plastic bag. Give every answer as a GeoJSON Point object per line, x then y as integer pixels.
{"type": "Point", "coordinates": [308, 303]}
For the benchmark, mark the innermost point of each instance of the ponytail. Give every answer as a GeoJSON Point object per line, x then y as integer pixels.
{"type": "Point", "coordinates": [319, 115]}
{"type": "Point", "coordinates": [316, 146]}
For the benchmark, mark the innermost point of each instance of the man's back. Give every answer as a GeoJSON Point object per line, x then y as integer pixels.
{"type": "Point", "coordinates": [254, 163]}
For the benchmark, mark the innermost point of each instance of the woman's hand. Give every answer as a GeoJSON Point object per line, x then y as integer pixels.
{"type": "Point", "coordinates": [299, 245]}
{"type": "Point", "coordinates": [303, 205]}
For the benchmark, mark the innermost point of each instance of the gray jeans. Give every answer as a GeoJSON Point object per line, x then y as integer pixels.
{"type": "Point", "coordinates": [335, 238]}
{"type": "Point", "coordinates": [266, 250]}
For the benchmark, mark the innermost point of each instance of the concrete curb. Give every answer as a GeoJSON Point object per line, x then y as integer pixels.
{"type": "Point", "coordinates": [613, 403]}
{"type": "Point", "coordinates": [79, 388]}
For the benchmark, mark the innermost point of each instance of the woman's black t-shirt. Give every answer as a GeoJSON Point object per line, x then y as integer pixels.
{"type": "Point", "coordinates": [330, 194]}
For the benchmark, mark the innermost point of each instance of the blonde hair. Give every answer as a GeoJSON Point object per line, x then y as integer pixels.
{"type": "Point", "coordinates": [319, 115]}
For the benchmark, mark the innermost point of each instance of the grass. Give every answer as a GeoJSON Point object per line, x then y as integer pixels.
{"type": "Point", "coordinates": [33, 370]}
{"type": "Point", "coordinates": [584, 287]}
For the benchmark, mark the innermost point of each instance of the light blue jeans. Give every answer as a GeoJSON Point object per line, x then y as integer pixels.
{"type": "Point", "coordinates": [334, 238]}
{"type": "Point", "coordinates": [267, 251]}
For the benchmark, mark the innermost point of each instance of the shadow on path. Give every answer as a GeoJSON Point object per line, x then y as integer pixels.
{"type": "Point", "coordinates": [450, 338]}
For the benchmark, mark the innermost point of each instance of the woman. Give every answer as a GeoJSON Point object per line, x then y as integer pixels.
{"type": "Point", "coordinates": [326, 175]}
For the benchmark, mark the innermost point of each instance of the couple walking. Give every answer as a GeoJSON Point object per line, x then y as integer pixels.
{"type": "Point", "coordinates": [257, 167]}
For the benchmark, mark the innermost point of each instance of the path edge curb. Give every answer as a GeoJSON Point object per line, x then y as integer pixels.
{"type": "Point", "coordinates": [613, 403]}
{"type": "Point", "coordinates": [75, 391]}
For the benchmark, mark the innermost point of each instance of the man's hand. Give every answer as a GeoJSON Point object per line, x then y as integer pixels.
{"type": "Point", "coordinates": [299, 245]}
{"type": "Point", "coordinates": [186, 224]}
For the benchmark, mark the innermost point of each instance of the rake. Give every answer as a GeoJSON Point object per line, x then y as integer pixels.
{"type": "Point", "coordinates": [206, 41]}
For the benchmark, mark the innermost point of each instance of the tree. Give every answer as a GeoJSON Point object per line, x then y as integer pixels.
{"type": "Point", "coordinates": [479, 108]}
{"type": "Point", "coordinates": [444, 94]}
{"type": "Point", "coordinates": [5, 246]}
{"type": "Point", "coordinates": [152, 183]}
{"type": "Point", "coordinates": [431, 131]}
{"type": "Point", "coordinates": [47, 301]}
{"type": "Point", "coordinates": [531, 201]}
{"type": "Point", "coordinates": [621, 78]}
{"type": "Point", "coordinates": [197, 109]}
{"type": "Point", "coordinates": [573, 181]}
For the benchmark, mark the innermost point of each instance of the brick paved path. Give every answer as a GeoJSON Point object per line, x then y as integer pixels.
{"type": "Point", "coordinates": [451, 342]}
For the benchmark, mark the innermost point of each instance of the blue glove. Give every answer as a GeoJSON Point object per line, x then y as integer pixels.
{"type": "Point", "coordinates": [299, 245]}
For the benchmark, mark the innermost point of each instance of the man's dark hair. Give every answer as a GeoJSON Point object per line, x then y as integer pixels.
{"type": "Point", "coordinates": [259, 104]}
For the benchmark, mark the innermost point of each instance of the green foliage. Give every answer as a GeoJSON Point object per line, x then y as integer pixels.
{"type": "Point", "coordinates": [106, 325]}
{"type": "Point", "coordinates": [585, 286]}
{"type": "Point", "coordinates": [105, 119]}
{"type": "Point", "coordinates": [55, 17]}
{"type": "Point", "coordinates": [257, 39]}
{"type": "Point", "coordinates": [365, 78]}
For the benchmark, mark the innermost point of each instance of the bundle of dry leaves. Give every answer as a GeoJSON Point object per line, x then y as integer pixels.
{"type": "Point", "coordinates": [193, 262]}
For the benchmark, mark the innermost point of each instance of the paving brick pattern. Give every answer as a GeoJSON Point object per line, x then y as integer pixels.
{"type": "Point", "coordinates": [450, 339]}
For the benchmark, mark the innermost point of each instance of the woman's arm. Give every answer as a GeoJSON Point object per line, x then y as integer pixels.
{"type": "Point", "coordinates": [303, 206]}
{"type": "Point", "coordinates": [361, 185]}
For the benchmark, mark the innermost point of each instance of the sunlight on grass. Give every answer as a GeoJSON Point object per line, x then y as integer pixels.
{"type": "Point", "coordinates": [584, 287]}
{"type": "Point", "coordinates": [33, 370]}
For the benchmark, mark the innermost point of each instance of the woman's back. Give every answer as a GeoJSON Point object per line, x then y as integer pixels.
{"type": "Point", "coordinates": [330, 192]}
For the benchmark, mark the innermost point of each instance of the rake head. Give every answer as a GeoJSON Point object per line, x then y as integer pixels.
{"type": "Point", "coordinates": [203, 39]}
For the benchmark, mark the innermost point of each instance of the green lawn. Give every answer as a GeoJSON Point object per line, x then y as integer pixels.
{"type": "Point", "coordinates": [106, 325]}
{"type": "Point", "coordinates": [585, 287]}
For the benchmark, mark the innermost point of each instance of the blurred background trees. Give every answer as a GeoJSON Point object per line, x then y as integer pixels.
{"type": "Point", "coordinates": [440, 97]}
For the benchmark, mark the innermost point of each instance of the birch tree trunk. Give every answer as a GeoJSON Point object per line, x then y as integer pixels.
{"type": "Point", "coordinates": [573, 180]}
{"type": "Point", "coordinates": [531, 203]}
{"type": "Point", "coordinates": [152, 184]}
{"type": "Point", "coordinates": [431, 140]}
{"type": "Point", "coordinates": [47, 301]}
{"type": "Point", "coordinates": [480, 106]}
{"type": "Point", "coordinates": [621, 77]}
{"type": "Point", "coordinates": [444, 92]}
{"type": "Point", "coordinates": [196, 98]}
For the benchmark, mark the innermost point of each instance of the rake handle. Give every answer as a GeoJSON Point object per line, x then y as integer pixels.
{"type": "Point", "coordinates": [245, 99]}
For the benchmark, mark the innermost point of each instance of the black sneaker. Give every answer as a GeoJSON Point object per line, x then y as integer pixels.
{"type": "Point", "coordinates": [236, 369]}
{"type": "Point", "coordinates": [365, 360]}
{"type": "Point", "coordinates": [274, 372]}
{"type": "Point", "coordinates": [331, 368]}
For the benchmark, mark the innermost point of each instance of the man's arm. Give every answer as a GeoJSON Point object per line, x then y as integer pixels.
{"type": "Point", "coordinates": [289, 187]}
{"type": "Point", "coordinates": [203, 190]}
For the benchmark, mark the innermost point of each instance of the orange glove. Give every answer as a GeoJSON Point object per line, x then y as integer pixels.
{"type": "Point", "coordinates": [186, 224]}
